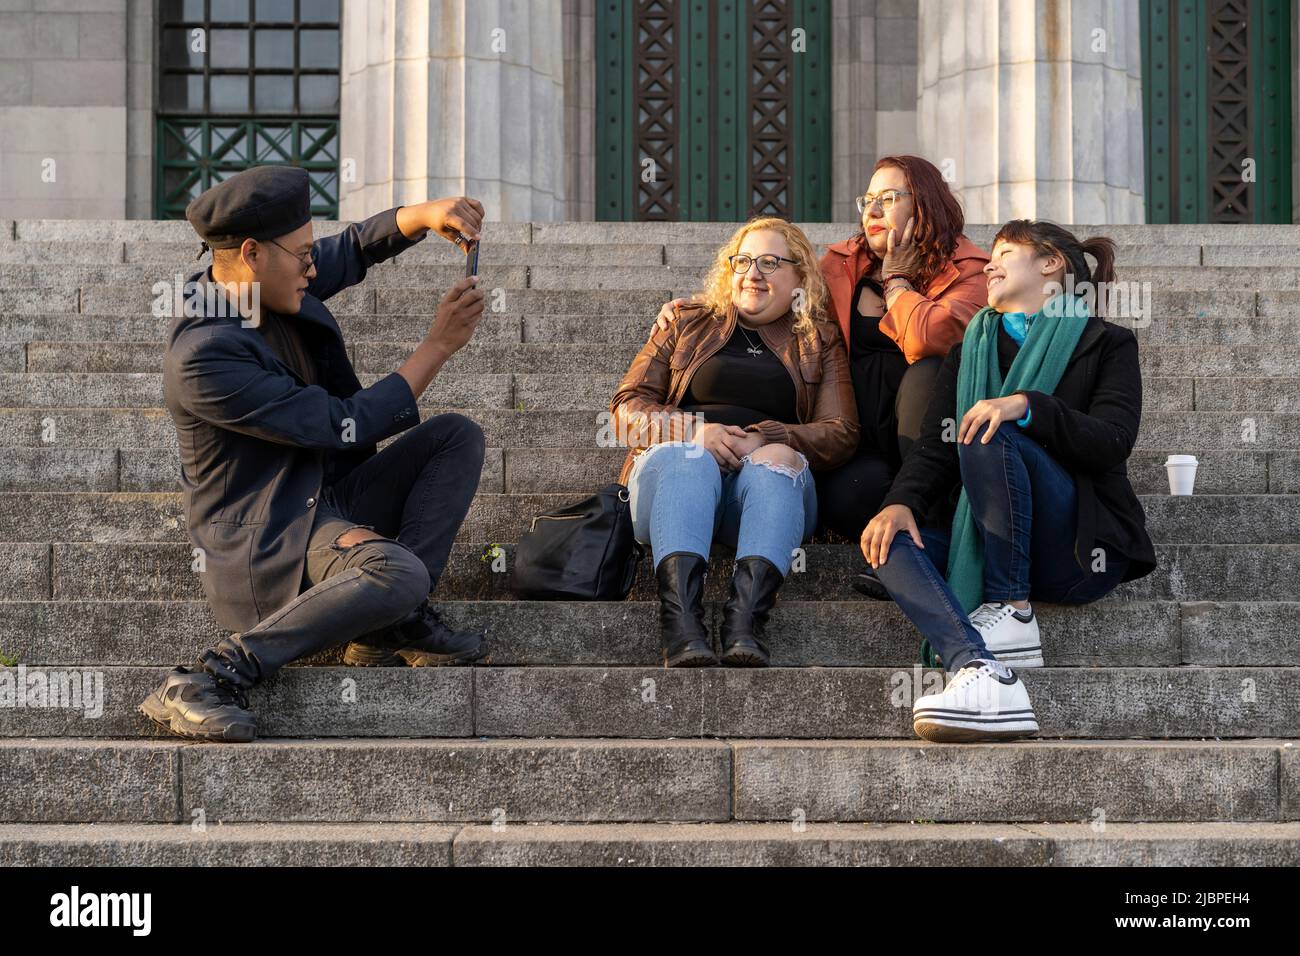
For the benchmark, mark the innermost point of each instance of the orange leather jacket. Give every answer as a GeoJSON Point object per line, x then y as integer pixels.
{"type": "Point", "coordinates": [642, 409]}
{"type": "Point", "coordinates": [922, 325]}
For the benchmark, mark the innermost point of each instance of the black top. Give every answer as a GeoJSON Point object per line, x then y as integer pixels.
{"type": "Point", "coordinates": [876, 365]}
{"type": "Point", "coordinates": [1089, 425]}
{"type": "Point", "coordinates": [741, 384]}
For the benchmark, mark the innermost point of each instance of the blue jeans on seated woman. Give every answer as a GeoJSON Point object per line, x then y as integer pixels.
{"type": "Point", "coordinates": [1024, 503]}
{"type": "Point", "coordinates": [681, 501]}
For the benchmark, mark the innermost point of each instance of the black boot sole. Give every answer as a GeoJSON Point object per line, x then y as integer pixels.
{"type": "Point", "coordinates": [157, 711]}
{"type": "Point", "coordinates": [749, 659]}
{"type": "Point", "coordinates": [744, 655]}
{"type": "Point", "coordinates": [691, 658]}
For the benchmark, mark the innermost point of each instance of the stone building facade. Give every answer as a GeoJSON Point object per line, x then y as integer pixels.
{"type": "Point", "coordinates": [1075, 110]}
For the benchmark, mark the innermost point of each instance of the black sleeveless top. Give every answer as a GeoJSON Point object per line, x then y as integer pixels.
{"type": "Point", "coordinates": [876, 365]}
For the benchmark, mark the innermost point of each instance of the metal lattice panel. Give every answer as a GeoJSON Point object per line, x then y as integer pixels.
{"type": "Point", "coordinates": [654, 103]}
{"type": "Point", "coordinates": [1230, 133]}
{"type": "Point", "coordinates": [195, 154]}
{"type": "Point", "coordinates": [769, 108]}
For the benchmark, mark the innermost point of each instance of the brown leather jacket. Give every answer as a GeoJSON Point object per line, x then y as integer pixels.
{"type": "Point", "coordinates": [656, 381]}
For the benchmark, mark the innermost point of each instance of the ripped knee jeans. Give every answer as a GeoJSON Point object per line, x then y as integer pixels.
{"type": "Point", "coordinates": [348, 590]}
{"type": "Point", "coordinates": [682, 501]}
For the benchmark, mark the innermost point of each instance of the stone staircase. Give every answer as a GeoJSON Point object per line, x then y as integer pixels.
{"type": "Point", "coordinates": [1168, 715]}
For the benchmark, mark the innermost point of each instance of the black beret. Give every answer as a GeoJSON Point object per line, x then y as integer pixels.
{"type": "Point", "coordinates": [259, 203]}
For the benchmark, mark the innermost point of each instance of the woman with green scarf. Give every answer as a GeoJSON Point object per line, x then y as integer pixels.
{"type": "Point", "coordinates": [1018, 486]}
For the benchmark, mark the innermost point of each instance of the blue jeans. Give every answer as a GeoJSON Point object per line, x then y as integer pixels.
{"type": "Point", "coordinates": [1024, 504]}
{"type": "Point", "coordinates": [681, 500]}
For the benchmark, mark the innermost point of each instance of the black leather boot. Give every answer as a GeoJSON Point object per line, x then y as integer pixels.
{"type": "Point", "coordinates": [684, 635]}
{"type": "Point", "coordinates": [753, 592]}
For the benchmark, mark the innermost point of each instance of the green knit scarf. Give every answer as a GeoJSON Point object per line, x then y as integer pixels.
{"type": "Point", "coordinates": [1038, 367]}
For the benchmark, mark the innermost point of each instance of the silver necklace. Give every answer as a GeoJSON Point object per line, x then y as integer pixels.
{"type": "Point", "coordinates": [753, 349]}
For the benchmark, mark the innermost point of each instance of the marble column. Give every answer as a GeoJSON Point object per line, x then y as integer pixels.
{"type": "Point", "coordinates": [873, 93]}
{"type": "Point", "coordinates": [1034, 107]}
{"type": "Point", "coordinates": [451, 98]}
{"type": "Point", "coordinates": [580, 109]}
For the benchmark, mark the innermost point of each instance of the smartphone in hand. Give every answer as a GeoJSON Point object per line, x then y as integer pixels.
{"type": "Point", "coordinates": [471, 258]}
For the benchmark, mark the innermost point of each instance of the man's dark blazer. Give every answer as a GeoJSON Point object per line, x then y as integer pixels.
{"type": "Point", "coordinates": [257, 443]}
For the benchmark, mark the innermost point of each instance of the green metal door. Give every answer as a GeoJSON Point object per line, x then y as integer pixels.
{"type": "Point", "coordinates": [712, 110]}
{"type": "Point", "coordinates": [1216, 90]}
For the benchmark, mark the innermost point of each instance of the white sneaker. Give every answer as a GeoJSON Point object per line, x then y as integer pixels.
{"type": "Point", "coordinates": [985, 700]}
{"type": "Point", "coordinates": [1010, 637]}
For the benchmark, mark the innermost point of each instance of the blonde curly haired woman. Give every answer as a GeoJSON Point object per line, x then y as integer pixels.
{"type": "Point", "coordinates": [725, 411]}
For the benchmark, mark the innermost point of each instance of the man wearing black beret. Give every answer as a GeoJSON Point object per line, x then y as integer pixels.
{"type": "Point", "coordinates": [305, 537]}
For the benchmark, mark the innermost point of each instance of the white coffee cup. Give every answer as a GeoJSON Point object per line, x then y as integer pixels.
{"type": "Point", "coordinates": [1182, 473]}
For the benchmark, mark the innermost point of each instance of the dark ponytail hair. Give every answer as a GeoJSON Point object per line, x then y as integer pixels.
{"type": "Point", "coordinates": [1047, 238]}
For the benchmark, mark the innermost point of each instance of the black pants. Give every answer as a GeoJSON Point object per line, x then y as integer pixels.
{"type": "Point", "coordinates": [849, 496]}
{"type": "Point", "coordinates": [415, 492]}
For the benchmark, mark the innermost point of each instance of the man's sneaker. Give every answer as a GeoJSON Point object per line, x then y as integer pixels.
{"type": "Point", "coordinates": [425, 640]}
{"type": "Point", "coordinates": [196, 704]}
{"type": "Point", "coordinates": [1010, 635]}
{"type": "Point", "coordinates": [985, 700]}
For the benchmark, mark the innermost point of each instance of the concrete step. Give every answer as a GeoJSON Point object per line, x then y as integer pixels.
{"type": "Point", "coordinates": [613, 358]}
{"type": "Point", "coordinates": [144, 275]}
{"type": "Point", "coordinates": [616, 253]}
{"type": "Point", "coordinates": [365, 299]}
{"type": "Point", "coordinates": [1194, 432]}
{"type": "Point", "coordinates": [652, 844]}
{"type": "Point", "coordinates": [602, 233]}
{"type": "Point", "coordinates": [830, 632]}
{"type": "Point", "coordinates": [568, 391]}
{"type": "Point", "coordinates": [159, 516]}
{"type": "Point", "coordinates": [624, 781]}
{"type": "Point", "coordinates": [1178, 293]}
{"type": "Point", "coordinates": [182, 254]}
{"type": "Point", "coordinates": [654, 702]}
{"type": "Point", "coordinates": [685, 270]}
{"type": "Point", "coordinates": [162, 571]}
{"type": "Point", "coordinates": [1213, 317]}
{"type": "Point", "coordinates": [575, 471]}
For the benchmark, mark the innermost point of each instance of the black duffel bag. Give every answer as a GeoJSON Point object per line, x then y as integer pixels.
{"type": "Point", "coordinates": [583, 552]}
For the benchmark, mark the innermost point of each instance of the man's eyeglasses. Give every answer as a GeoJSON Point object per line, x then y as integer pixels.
{"type": "Point", "coordinates": [767, 263]}
{"type": "Point", "coordinates": [306, 260]}
{"type": "Point", "coordinates": [887, 198]}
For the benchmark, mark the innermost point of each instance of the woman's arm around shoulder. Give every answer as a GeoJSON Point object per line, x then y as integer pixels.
{"type": "Point", "coordinates": [638, 411]}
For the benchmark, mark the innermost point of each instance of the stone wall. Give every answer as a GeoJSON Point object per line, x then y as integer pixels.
{"type": "Point", "coordinates": [873, 96]}
{"type": "Point", "coordinates": [76, 106]}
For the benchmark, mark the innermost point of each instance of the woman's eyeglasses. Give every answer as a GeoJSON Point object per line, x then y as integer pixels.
{"type": "Point", "coordinates": [887, 198]}
{"type": "Point", "coordinates": [306, 260]}
{"type": "Point", "coordinates": [767, 263]}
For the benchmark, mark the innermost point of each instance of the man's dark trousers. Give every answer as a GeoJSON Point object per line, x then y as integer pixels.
{"type": "Point", "coordinates": [417, 492]}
